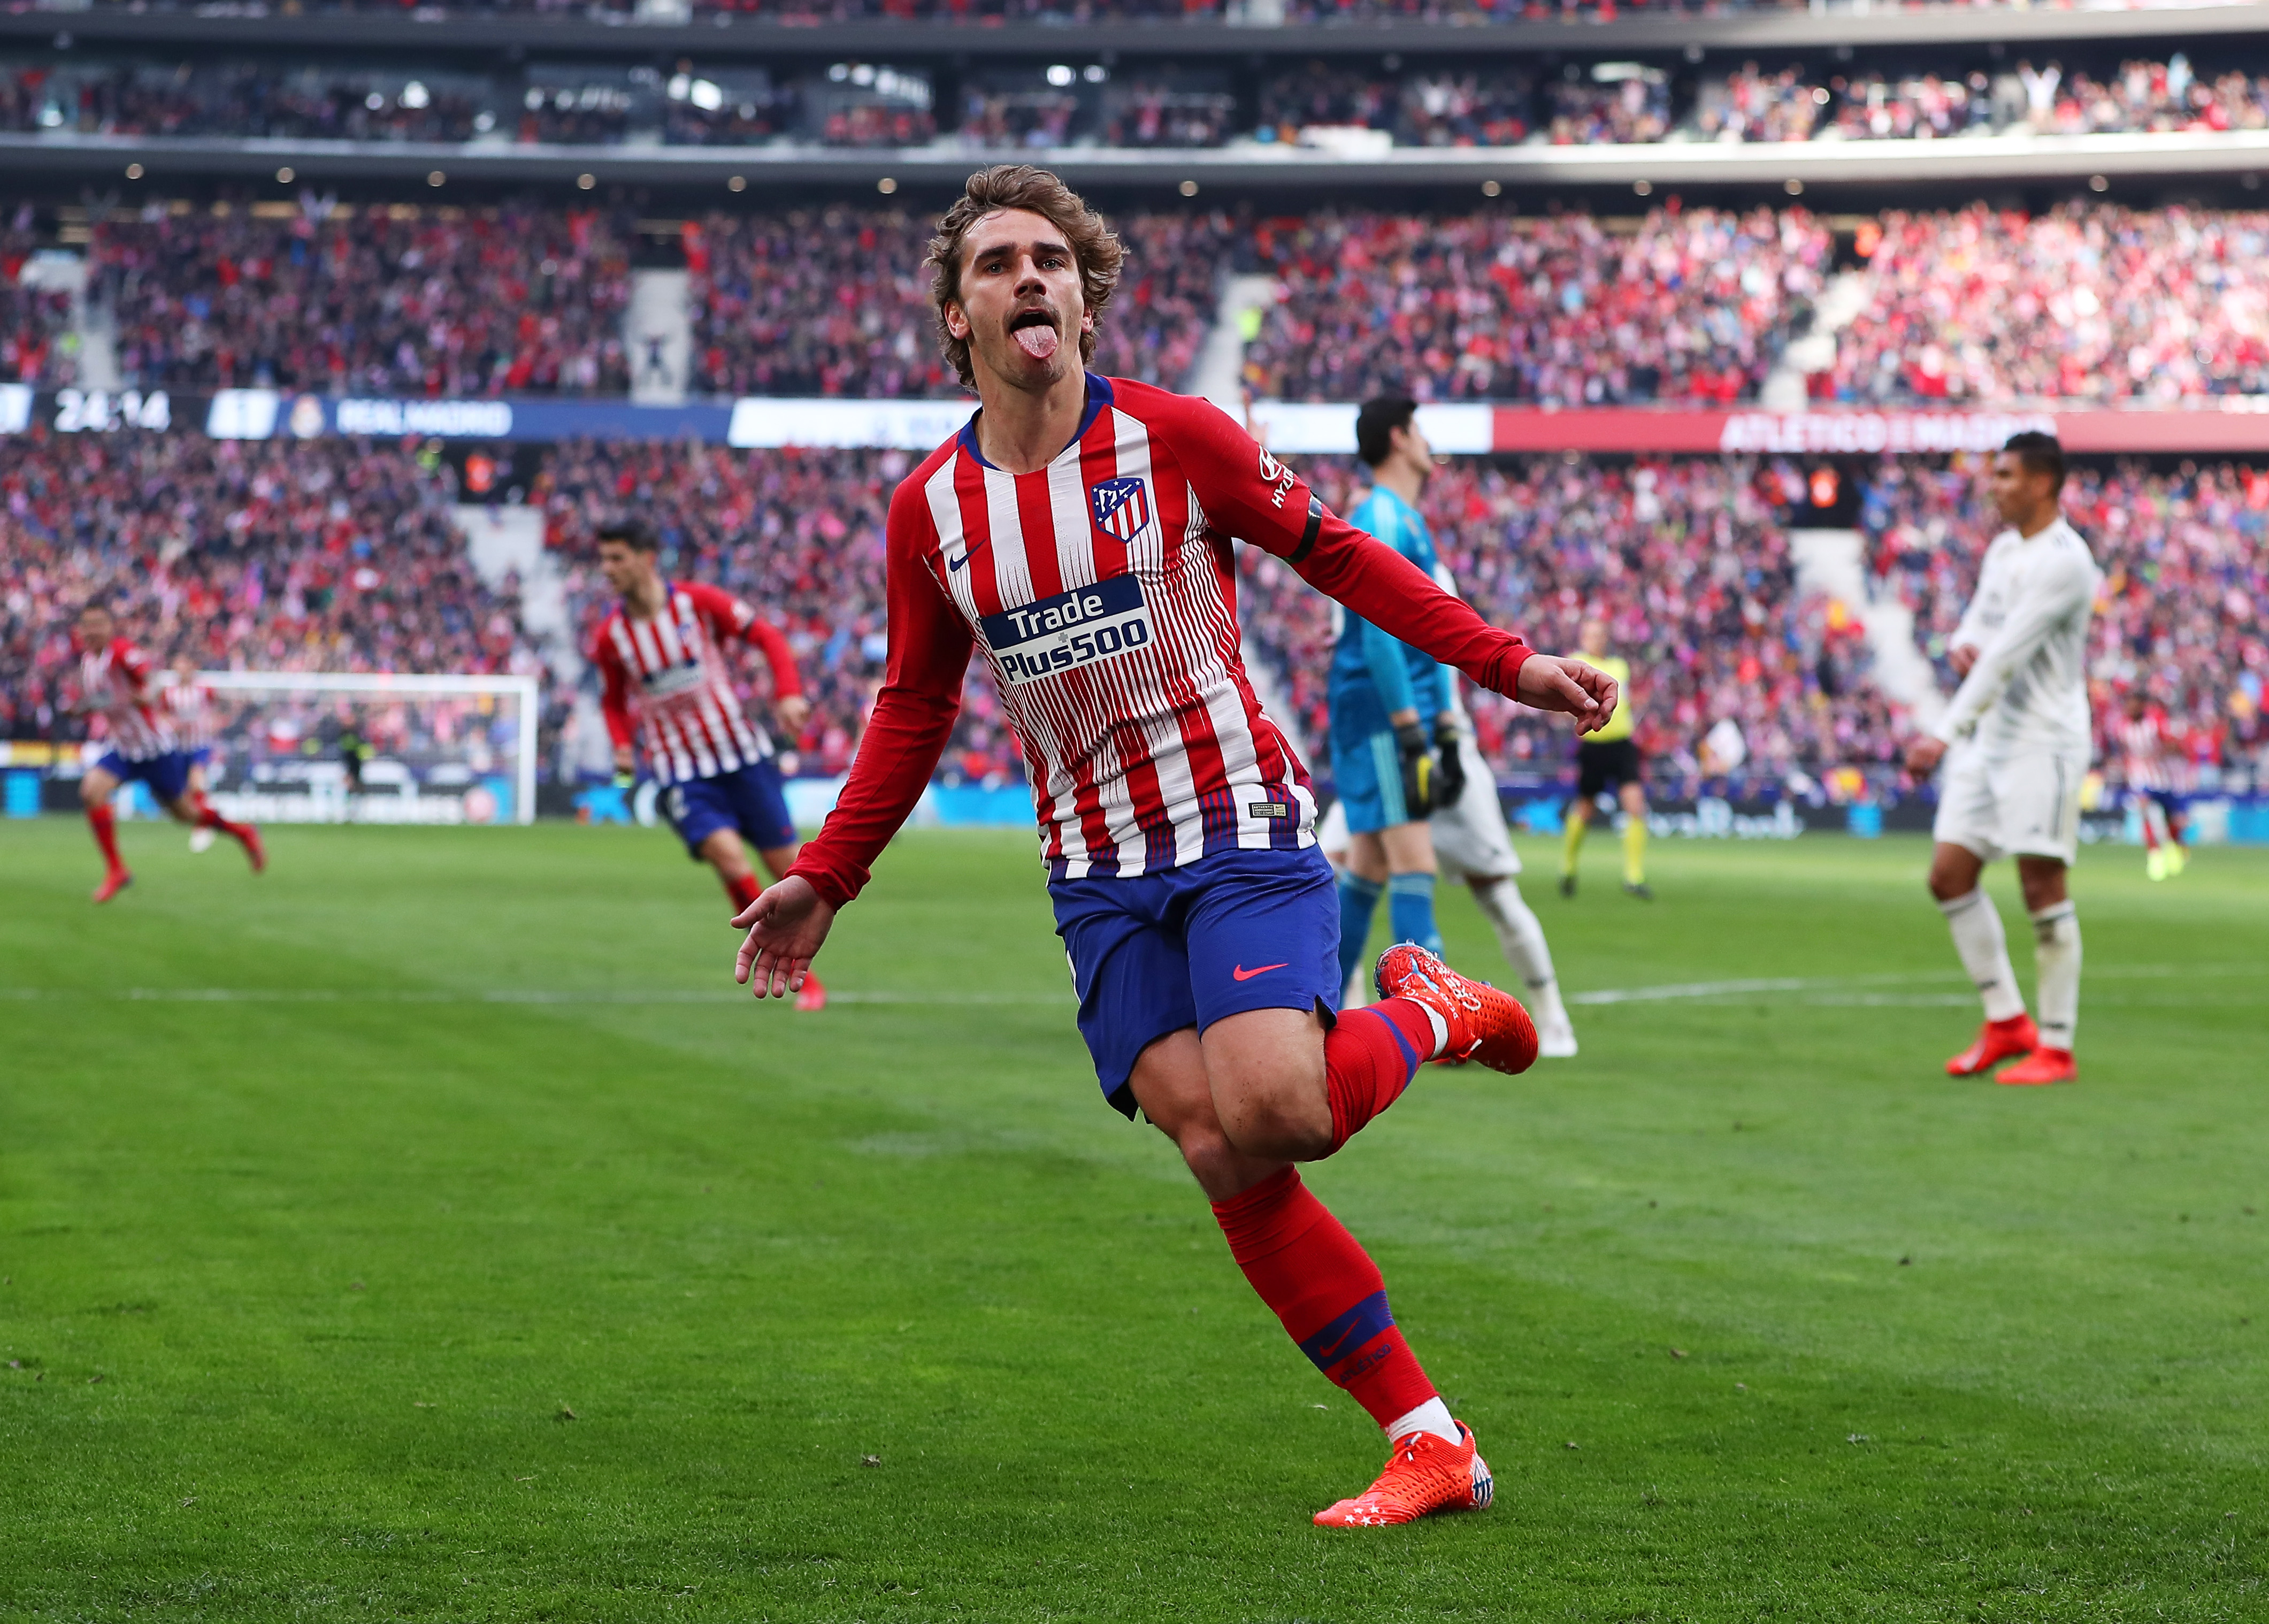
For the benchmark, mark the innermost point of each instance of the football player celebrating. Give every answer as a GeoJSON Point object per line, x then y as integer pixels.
{"type": "Point", "coordinates": [665, 677]}
{"type": "Point", "coordinates": [2015, 741]}
{"type": "Point", "coordinates": [188, 706]}
{"type": "Point", "coordinates": [114, 683]}
{"type": "Point", "coordinates": [1077, 534]}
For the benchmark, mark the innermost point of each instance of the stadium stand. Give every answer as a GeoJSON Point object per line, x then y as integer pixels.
{"type": "Point", "coordinates": [1690, 305]}
{"type": "Point", "coordinates": [37, 344]}
{"type": "Point", "coordinates": [2185, 558]}
{"type": "Point", "coordinates": [2082, 303]}
{"type": "Point", "coordinates": [835, 301]}
{"type": "Point", "coordinates": [389, 300]}
{"type": "Point", "coordinates": [315, 555]}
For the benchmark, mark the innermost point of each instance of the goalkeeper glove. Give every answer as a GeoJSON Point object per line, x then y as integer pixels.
{"type": "Point", "coordinates": [1450, 781]}
{"type": "Point", "coordinates": [1418, 769]}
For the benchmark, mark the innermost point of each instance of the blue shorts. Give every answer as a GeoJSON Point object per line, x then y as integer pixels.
{"type": "Point", "coordinates": [167, 775]}
{"type": "Point", "coordinates": [1367, 772]}
{"type": "Point", "coordinates": [748, 798]}
{"type": "Point", "coordinates": [1185, 947]}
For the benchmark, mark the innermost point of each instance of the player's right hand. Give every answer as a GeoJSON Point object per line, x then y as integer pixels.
{"type": "Point", "coordinates": [1561, 682]}
{"type": "Point", "coordinates": [786, 924]}
{"type": "Point", "coordinates": [1450, 783]}
{"type": "Point", "coordinates": [1962, 656]}
{"type": "Point", "coordinates": [1419, 769]}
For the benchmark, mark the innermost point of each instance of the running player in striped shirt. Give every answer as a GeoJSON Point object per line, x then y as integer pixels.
{"type": "Point", "coordinates": [188, 706]}
{"type": "Point", "coordinates": [1077, 534]}
{"type": "Point", "coordinates": [660, 658]}
{"type": "Point", "coordinates": [139, 746]}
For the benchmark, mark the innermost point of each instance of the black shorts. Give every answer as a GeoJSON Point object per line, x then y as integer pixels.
{"type": "Point", "coordinates": [1599, 766]}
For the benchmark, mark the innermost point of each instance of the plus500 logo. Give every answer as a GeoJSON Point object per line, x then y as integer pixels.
{"type": "Point", "coordinates": [1073, 629]}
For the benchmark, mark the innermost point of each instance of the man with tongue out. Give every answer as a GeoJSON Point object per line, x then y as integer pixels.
{"type": "Point", "coordinates": [1079, 533]}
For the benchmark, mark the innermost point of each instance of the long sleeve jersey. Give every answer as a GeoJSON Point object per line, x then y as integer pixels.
{"type": "Point", "coordinates": [119, 681]}
{"type": "Point", "coordinates": [1101, 592]}
{"type": "Point", "coordinates": [2029, 621]}
{"type": "Point", "coordinates": [666, 677]}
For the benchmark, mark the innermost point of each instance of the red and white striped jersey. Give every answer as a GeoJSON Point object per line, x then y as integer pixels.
{"type": "Point", "coordinates": [2148, 748]}
{"type": "Point", "coordinates": [1101, 592]}
{"type": "Point", "coordinates": [116, 679]}
{"type": "Point", "coordinates": [667, 678]}
{"type": "Point", "coordinates": [188, 708]}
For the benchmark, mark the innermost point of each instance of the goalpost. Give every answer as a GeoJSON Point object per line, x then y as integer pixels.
{"type": "Point", "coordinates": [348, 746]}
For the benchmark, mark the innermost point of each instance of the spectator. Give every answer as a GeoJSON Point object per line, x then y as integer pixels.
{"type": "Point", "coordinates": [1693, 305]}
{"type": "Point", "coordinates": [383, 300]}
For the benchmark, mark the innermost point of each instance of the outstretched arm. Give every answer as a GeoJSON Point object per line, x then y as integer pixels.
{"type": "Point", "coordinates": [1254, 498]}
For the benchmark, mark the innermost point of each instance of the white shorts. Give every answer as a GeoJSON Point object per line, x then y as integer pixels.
{"type": "Point", "coordinates": [2024, 805]}
{"type": "Point", "coordinates": [1470, 838]}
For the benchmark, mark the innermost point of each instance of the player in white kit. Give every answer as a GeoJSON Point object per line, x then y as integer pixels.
{"type": "Point", "coordinates": [1472, 844]}
{"type": "Point", "coordinates": [2015, 741]}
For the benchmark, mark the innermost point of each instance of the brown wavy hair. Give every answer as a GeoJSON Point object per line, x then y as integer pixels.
{"type": "Point", "coordinates": [1021, 186]}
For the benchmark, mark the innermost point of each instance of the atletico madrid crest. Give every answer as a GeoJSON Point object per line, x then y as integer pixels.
{"type": "Point", "coordinates": [1122, 508]}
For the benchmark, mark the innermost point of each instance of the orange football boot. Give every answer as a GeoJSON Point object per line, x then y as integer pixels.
{"type": "Point", "coordinates": [1996, 1041]}
{"type": "Point", "coordinates": [1424, 1475]}
{"type": "Point", "coordinates": [2043, 1066]}
{"type": "Point", "coordinates": [1484, 1024]}
{"type": "Point", "coordinates": [812, 995]}
{"type": "Point", "coordinates": [116, 881]}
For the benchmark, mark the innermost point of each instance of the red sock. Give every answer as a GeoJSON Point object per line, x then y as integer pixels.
{"type": "Point", "coordinates": [743, 890]}
{"type": "Point", "coordinates": [207, 818]}
{"type": "Point", "coordinates": [104, 821]}
{"type": "Point", "coordinates": [1369, 1058]}
{"type": "Point", "coordinates": [1327, 1290]}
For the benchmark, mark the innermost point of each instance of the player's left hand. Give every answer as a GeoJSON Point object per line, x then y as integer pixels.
{"type": "Point", "coordinates": [1923, 756]}
{"type": "Point", "coordinates": [1556, 683]}
{"type": "Point", "coordinates": [794, 712]}
{"type": "Point", "coordinates": [786, 924]}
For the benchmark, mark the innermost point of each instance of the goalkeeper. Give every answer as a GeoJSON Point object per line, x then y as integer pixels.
{"type": "Point", "coordinates": [1394, 752]}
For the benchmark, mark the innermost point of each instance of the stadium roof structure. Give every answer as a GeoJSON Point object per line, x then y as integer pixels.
{"type": "Point", "coordinates": [721, 34]}
{"type": "Point", "coordinates": [1253, 167]}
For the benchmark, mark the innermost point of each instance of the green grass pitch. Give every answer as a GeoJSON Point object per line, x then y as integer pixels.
{"type": "Point", "coordinates": [327, 1199]}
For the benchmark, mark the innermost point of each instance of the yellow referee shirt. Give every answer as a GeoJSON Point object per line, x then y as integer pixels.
{"type": "Point", "coordinates": [1619, 724]}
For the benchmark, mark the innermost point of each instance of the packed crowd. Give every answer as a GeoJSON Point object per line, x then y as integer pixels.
{"type": "Point", "coordinates": [1752, 104]}
{"type": "Point", "coordinates": [1584, 112]}
{"type": "Point", "coordinates": [2143, 95]}
{"type": "Point", "coordinates": [836, 301]}
{"type": "Point", "coordinates": [1692, 305]}
{"type": "Point", "coordinates": [37, 342]}
{"type": "Point", "coordinates": [1160, 112]}
{"type": "Point", "coordinates": [1872, 106]}
{"type": "Point", "coordinates": [383, 300]}
{"type": "Point", "coordinates": [1689, 565]}
{"type": "Point", "coordinates": [2179, 623]}
{"type": "Point", "coordinates": [2092, 303]}
{"type": "Point", "coordinates": [292, 555]}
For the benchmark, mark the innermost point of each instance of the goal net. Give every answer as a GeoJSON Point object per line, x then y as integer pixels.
{"type": "Point", "coordinates": [344, 747]}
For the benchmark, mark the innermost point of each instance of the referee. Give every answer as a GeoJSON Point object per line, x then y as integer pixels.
{"type": "Point", "coordinates": [1608, 757]}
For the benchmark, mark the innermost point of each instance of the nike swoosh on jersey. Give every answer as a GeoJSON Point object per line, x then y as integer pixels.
{"type": "Point", "coordinates": [1243, 974]}
{"type": "Point", "coordinates": [962, 557]}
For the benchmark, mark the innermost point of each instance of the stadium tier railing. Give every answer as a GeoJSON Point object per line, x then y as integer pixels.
{"type": "Point", "coordinates": [1278, 168]}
